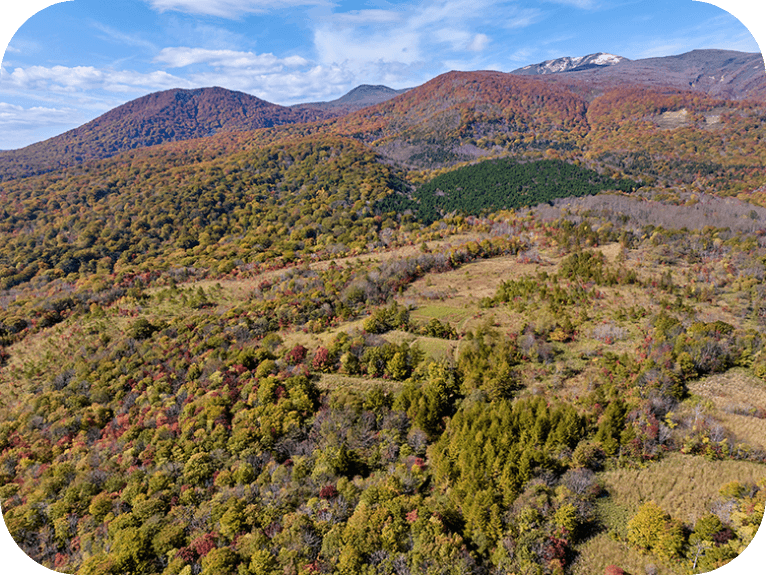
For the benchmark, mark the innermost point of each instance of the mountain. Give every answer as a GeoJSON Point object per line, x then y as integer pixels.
{"type": "Point", "coordinates": [358, 98]}
{"type": "Point", "coordinates": [720, 73]}
{"type": "Point", "coordinates": [567, 64]}
{"type": "Point", "coordinates": [456, 117]}
{"type": "Point", "coordinates": [167, 116]}
{"type": "Point", "coordinates": [459, 116]}
{"type": "Point", "coordinates": [172, 116]}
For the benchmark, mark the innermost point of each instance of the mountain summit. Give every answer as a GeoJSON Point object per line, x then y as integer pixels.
{"type": "Point", "coordinates": [568, 64]}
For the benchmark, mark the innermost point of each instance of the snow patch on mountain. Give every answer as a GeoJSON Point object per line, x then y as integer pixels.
{"type": "Point", "coordinates": [571, 64]}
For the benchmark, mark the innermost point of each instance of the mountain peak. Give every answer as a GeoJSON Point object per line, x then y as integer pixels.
{"type": "Point", "coordinates": [571, 64]}
{"type": "Point", "coordinates": [358, 98]}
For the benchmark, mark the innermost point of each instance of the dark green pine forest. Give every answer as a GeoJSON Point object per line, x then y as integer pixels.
{"type": "Point", "coordinates": [490, 326]}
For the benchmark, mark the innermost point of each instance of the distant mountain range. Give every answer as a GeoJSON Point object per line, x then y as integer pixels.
{"type": "Point", "coordinates": [569, 64]}
{"type": "Point", "coordinates": [410, 125]}
{"type": "Point", "coordinates": [720, 73]}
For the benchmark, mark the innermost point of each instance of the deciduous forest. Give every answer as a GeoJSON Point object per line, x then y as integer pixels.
{"type": "Point", "coordinates": [489, 326]}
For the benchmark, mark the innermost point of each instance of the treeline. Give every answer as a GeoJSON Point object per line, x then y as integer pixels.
{"type": "Point", "coordinates": [501, 184]}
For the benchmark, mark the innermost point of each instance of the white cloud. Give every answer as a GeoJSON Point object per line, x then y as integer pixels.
{"type": "Point", "coordinates": [14, 117]}
{"type": "Point", "coordinates": [179, 57]}
{"type": "Point", "coordinates": [84, 78]}
{"type": "Point", "coordinates": [21, 126]}
{"type": "Point", "coordinates": [314, 83]}
{"type": "Point", "coordinates": [228, 8]}
{"type": "Point", "coordinates": [479, 43]}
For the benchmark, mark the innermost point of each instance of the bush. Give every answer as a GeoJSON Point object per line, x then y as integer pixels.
{"type": "Point", "coordinates": [142, 328]}
{"type": "Point", "coordinates": [651, 529]}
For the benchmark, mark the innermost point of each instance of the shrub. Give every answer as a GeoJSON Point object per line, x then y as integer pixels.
{"type": "Point", "coordinates": [321, 360]}
{"type": "Point", "coordinates": [651, 529]}
{"type": "Point", "coordinates": [142, 328]}
{"type": "Point", "coordinates": [296, 355]}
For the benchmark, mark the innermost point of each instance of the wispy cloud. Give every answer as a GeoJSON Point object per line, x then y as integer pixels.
{"type": "Point", "coordinates": [228, 8]}
{"type": "Point", "coordinates": [63, 79]}
{"type": "Point", "coordinates": [113, 35]}
{"type": "Point", "coordinates": [14, 117]}
{"type": "Point", "coordinates": [712, 33]}
{"type": "Point", "coordinates": [20, 126]}
{"type": "Point", "coordinates": [584, 4]}
{"type": "Point", "coordinates": [413, 37]}
{"type": "Point", "coordinates": [179, 57]}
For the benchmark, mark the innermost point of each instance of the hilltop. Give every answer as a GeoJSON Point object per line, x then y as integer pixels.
{"type": "Point", "coordinates": [571, 64]}
{"type": "Point", "coordinates": [358, 98]}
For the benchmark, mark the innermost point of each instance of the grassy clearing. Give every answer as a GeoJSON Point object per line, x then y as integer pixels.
{"type": "Point", "coordinates": [685, 486]}
{"type": "Point", "coordinates": [600, 551]}
{"type": "Point", "coordinates": [441, 311]}
{"type": "Point", "coordinates": [737, 396]}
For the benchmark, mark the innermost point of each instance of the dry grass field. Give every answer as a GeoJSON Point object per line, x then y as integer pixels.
{"type": "Point", "coordinates": [602, 550]}
{"type": "Point", "coordinates": [740, 401]}
{"type": "Point", "coordinates": [685, 486]}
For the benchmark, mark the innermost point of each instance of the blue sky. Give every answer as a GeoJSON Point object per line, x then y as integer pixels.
{"type": "Point", "coordinates": [75, 60]}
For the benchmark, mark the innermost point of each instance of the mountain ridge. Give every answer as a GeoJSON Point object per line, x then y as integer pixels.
{"type": "Point", "coordinates": [570, 64]}
{"type": "Point", "coordinates": [360, 97]}
{"type": "Point", "coordinates": [720, 73]}
{"type": "Point", "coordinates": [407, 125]}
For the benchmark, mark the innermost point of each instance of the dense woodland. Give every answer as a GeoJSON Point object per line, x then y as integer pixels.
{"type": "Point", "coordinates": [344, 347]}
{"type": "Point", "coordinates": [501, 184]}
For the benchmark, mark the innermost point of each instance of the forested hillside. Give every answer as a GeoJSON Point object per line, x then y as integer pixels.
{"type": "Point", "coordinates": [169, 116]}
{"type": "Point", "coordinates": [488, 326]}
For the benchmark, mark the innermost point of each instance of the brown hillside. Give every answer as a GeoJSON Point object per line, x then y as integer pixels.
{"type": "Point", "coordinates": [168, 116]}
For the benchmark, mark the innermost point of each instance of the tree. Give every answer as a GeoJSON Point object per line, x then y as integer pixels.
{"type": "Point", "coordinates": [651, 529]}
{"type": "Point", "coordinates": [199, 469]}
{"type": "Point", "coordinates": [220, 561]}
{"type": "Point", "coordinates": [646, 526]}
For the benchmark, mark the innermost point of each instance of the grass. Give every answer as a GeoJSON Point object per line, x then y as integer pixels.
{"type": "Point", "coordinates": [733, 394]}
{"type": "Point", "coordinates": [602, 550]}
{"type": "Point", "coordinates": [333, 381]}
{"type": "Point", "coordinates": [685, 486]}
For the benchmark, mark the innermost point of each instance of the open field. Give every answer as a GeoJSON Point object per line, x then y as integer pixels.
{"type": "Point", "coordinates": [740, 401]}
{"type": "Point", "coordinates": [685, 486]}
{"type": "Point", "coordinates": [602, 550]}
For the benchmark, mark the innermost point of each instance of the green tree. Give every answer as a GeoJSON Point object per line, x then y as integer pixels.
{"type": "Point", "coordinates": [651, 529]}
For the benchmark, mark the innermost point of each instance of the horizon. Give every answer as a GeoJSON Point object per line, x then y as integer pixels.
{"type": "Point", "coordinates": [74, 61]}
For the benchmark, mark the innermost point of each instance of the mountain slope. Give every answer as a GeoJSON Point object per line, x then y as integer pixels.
{"type": "Point", "coordinates": [720, 73]}
{"type": "Point", "coordinates": [358, 98]}
{"type": "Point", "coordinates": [460, 115]}
{"type": "Point", "coordinates": [160, 117]}
{"type": "Point", "coordinates": [568, 64]}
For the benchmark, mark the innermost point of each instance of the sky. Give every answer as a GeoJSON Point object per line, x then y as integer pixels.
{"type": "Point", "coordinates": [75, 60]}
